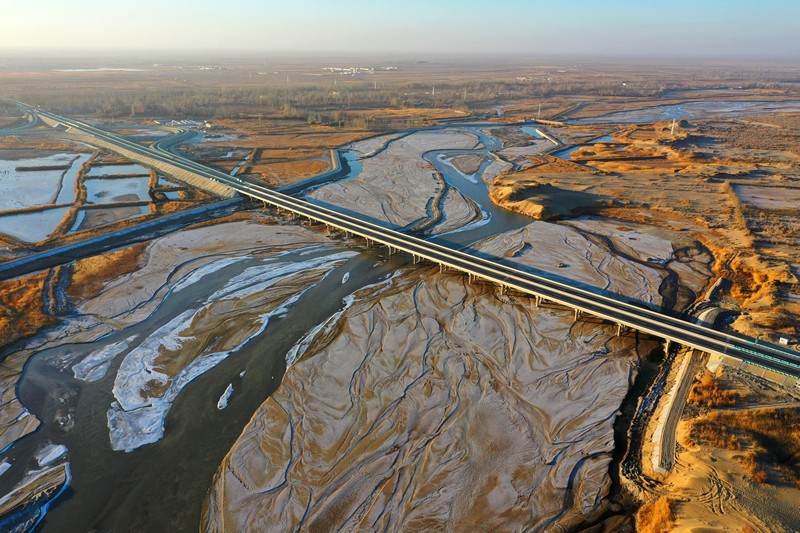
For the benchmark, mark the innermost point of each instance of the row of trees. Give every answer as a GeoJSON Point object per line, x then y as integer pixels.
{"type": "Point", "coordinates": [311, 101]}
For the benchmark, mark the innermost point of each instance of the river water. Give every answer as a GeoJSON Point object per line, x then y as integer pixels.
{"type": "Point", "coordinates": [161, 486]}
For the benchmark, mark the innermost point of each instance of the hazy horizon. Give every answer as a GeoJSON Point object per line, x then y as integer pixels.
{"type": "Point", "coordinates": [582, 28]}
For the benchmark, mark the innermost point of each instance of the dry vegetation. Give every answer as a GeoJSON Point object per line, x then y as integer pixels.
{"type": "Point", "coordinates": [707, 392]}
{"type": "Point", "coordinates": [688, 181]}
{"type": "Point", "coordinates": [656, 516]}
{"type": "Point", "coordinates": [22, 307]}
{"type": "Point", "coordinates": [768, 438]}
{"type": "Point", "coordinates": [91, 274]}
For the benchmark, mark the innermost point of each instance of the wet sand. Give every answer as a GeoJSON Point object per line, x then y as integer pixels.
{"type": "Point", "coordinates": [434, 404]}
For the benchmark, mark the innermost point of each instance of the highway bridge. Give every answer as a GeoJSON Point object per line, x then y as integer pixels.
{"type": "Point", "coordinates": [772, 357]}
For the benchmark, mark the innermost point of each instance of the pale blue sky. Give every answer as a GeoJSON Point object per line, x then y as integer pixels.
{"type": "Point", "coordinates": [769, 28]}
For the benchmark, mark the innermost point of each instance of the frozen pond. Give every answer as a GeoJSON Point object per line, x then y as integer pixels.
{"type": "Point", "coordinates": [92, 218]}
{"type": "Point", "coordinates": [567, 152]}
{"type": "Point", "coordinates": [117, 190]}
{"type": "Point", "coordinates": [769, 197]}
{"type": "Point", "coordinates": [117, 170]}
{"type": "Point", "coordinates": [690, 110]}
{"type": "Point", "coordinates": [21, 189]}
{"type": "Point", "coordinates": [33, 227]}
{"type": "Point", "coordinates": [531, 130]}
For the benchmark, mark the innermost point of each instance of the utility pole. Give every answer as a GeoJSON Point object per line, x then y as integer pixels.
{"type": "Point", "coordinates": [672, 131]}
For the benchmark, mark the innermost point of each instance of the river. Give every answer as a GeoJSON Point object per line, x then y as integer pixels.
{"type": "Point", "coordinates": [161, 485]}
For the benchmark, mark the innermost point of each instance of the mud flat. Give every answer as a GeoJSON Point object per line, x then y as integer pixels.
{"type": "Point", "coordinates": [397, 186]}
{"type": "Point", "coordinates": [427, 410]}
{"type": "Point", "coordinates": [428, 403]}
{"type": "Point", "coordinates": [105, 379]}
{"type": "Point", "coordinates": [117, 190]}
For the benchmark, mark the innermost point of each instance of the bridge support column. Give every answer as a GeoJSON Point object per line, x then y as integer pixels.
{"type": "Point", "coordinates": [441, 268]}
{"type": "Point", "coordinates": [577, 314]}
{"type": "Point", "coordinates": [667, 344]}
{"type": "Point", "coordinates": [619, 330]}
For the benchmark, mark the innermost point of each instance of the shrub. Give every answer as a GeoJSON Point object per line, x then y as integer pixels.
{"type": "Point", "coordinates": [707, 392]}
{"type": "Point", "coordinates": [656, 517]}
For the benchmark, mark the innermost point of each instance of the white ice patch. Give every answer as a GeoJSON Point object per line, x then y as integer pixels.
{"type": "Point", "coordinates": [4, 466]}
{"type": "Point", "coordinates": [95, 365]}
{"type": "Point", "coordinates": [137, 369]}
{"type": "Point", "coordinates": [447, 161]}
{"type": "Point", "coordinates": [134, 420]}
{"type": "Point", "coordinates": [222, 403]}
{"type": "Point", "coordinates": [131, 429]}
{"type": "Point", "coordinates": [345, 278]}
{"type": "Point", "coordinates": [50, 453]}
{"type": "Point", "coordinates": [204, 271]}
{"type": "Point", "coordinates": [485, 219]}
{"type": "Point", "coordinates": [259, 278]}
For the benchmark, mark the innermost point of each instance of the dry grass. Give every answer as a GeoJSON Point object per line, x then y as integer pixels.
{"type": "Point", "coordinates": [285, 172]}
{"type": "Point", "coordinates": [770, 437]}
{"type": "Point", "coordinates": [91, 274]}
{"type": "Point", "coordinates": [707, 392]}
{"type": "Point", "coordinates": [21, 307]}
{"type": "Point", "coordinates": [656, 517]}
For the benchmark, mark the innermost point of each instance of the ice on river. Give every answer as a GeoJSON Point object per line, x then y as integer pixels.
{"type": "Point", "coordinates": [50, 453]}
{"type": "Point", "coordinates": [143, 389]}
{"type": "Point", "coordinates": [205, 270]}
{"type": "Point", "coordinates": [95, 365]}
{"type": "Point", "coordinates": [222, 403]}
